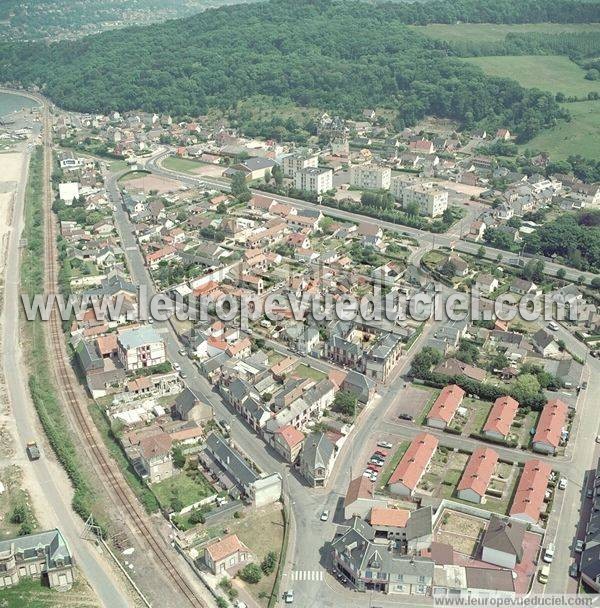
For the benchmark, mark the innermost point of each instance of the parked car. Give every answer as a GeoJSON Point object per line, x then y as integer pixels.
{"type": "Point", "coordinates": [553, 326]}
{"type": "Point", "coordinates": [288, 597]}
{"type": "Point", "coordinates": [549, 553]}
{"type": "Point", "coordinates": [543, 574]}
{"type": "Point", "coordinates": [579, 546]}
{"type": "Point", "coordinates": [562, 484]}
{"type": "Point", "coordinates": [574, 570]}
{"type": "Point", "coordinates": [590, 493]}
{"type": "Point", "coordinates": [182, 352]}
{"type": "Point", "coordinates": [405, 416]}
{"type": "Point", "coordinates": [384, 444]}
{"type": "Point", "coordinates": [33, 452]}
{"type": "Point", "coordinates": [325, 515]}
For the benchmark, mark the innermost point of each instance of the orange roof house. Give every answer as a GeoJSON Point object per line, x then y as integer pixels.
{"type": "Point", "coordinates": [414, 463]}
{"type": "Point", "coordinates": [550, 426]}
{"type": "Point", "coordinates": [389, 518]}
{"type": "Point", "coordinates": [529, 496]}
{"type": "Point", "coordinates": [477, 475]}
{"type": "Point", "coordinates": [445, 406]}
{"type": "Point", "coordinates": [501, 417]}
{"type": "Point", "coordinates": [226, 553]}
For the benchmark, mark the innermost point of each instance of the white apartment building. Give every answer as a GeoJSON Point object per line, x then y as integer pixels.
{"type": "Point", "coordinates": [140, 347]}
{"type": "Point", "coordinates": [297, 161]}
{"type": "Point", "coordinates": [370, 177]}
{"type": "Point", "coordinates": [314, 179]}
{"type": "Point", "coordinates": [432, 201]}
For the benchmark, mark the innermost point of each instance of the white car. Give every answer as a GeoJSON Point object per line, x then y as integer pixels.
{"type": "Point", "coordinates": [177, 367]}
{"type": "Point", "coordinates": [288, 596]}
{"type": "Point", "coordinates": [549, 553]}
{"type": "Point", "coordinates": [325, 515]}
{"type": "Point", "coordinates": [553, 326]}
{"type": "Point", "coordinates": [384, 444]}
{"type": "Point", "coordinates": [562, 484]}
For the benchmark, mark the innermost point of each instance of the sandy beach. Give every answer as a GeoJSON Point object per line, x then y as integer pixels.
{"type": "Point", "coordinates": [11, 174]}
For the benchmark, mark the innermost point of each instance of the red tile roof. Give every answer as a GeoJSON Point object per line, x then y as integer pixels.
{"type": "Point", "coordinates": [551, 422]}
{"type": "Point", "coordinates": [479, 470]}
{"type": "Point", "coordinates": [360, 487]}
{"type": "Point", "coordinates": [529, 496]}
{"type": "Point", "coordinates": [226, 547]}
{"type": "Point", "coordinates": [291, 435]}
{"type": "Point", "coordinates": [392, 518]}
{"type": "Point", "coordinates": [415, 461]}
{"type": "Point", "coordinates": [502, 415]}
{"type": "Point", "coordinates": [447, 403]}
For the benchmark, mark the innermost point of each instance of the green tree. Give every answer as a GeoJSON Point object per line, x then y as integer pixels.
{"type": "Point", "coordinates": [178, 457]}
{"type": "Point", "coordinates": [239, 187]}
{"type": "Point", "coordinates": [345, 402]}
{"type": "Point", "coordinates": [525, 387]}
{"type": "Point", "coordinates": [251, 573]}
{"type": "Point", "coordinates": [269, 563]}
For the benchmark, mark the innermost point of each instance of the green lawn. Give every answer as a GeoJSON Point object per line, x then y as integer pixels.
{"type": "Point", "coordinates": [391, 465]}
{"type": "Point", "coordinates": [261, 531]}
{"type": "Point", "coordinates": [580, 136]}
{"type": "Point", "coordinates": [181, 164]}
{"type": "Point", "coordinates": [554, 73]}
{"type": "Point", "coordinates": [118, 166]}
{"type": "Point", "coordinates": [29, 593]}
{"type": "Point", "coordinates": [493, 32]}
{"type": "Point", "coordinates": [309, 373]}
{"type": "Point", "coordinates": [189, 489]}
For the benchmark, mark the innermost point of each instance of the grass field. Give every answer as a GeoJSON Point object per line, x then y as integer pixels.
{"type": "Point", "coordinates": [29, 593]}
{"type": "Point", "coordinates": [580, 136]}
{"type": "Point", "coordinates": [493, 32]}
{"type": "Point", "coordinates": [184, 487]}
{"type": "Point", "coordinates": [181, 164]}
{"type": "Point", "coordinates": [553, 73]}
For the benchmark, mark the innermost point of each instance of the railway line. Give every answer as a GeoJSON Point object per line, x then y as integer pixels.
{"type": "Point", "coordinates": [105, 467]}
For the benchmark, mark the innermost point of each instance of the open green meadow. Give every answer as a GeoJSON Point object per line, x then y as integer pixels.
{"type": "Point", "coordinates": [580, 136]}
{"type": "Point", "coordinates": [554, 73]}
{"type": "Point", "coordinates": [494, 32]}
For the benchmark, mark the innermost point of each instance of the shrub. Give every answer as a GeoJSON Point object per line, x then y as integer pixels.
{"type": "Point", "coordinates": [250, 574]}
{"type": "Point", "coordinates": [269, 563]}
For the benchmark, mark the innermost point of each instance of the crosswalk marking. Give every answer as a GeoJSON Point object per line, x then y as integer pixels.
{"type": "Point", "coordinates": [307, 575]}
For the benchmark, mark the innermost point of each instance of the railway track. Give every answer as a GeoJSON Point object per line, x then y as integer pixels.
{"type": "Point", "coordinates": [106, 468]}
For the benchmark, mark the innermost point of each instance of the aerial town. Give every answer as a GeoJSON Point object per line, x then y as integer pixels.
{"type": "Point", "coordinates": [292, 456]}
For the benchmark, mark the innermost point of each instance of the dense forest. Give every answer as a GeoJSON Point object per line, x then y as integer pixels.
{"type": "Point", "coordinates": [60, 19]}
{"type": "Point", "coordinates": [340, 56]}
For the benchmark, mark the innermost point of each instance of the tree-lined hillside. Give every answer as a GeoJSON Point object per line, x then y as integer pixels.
{"type": "Point", "coordinates": [340, 56]}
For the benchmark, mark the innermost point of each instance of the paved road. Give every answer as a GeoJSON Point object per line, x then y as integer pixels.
{"type": "Point", "coordinates": [307, 503]}
{"type": "Point", "coordinates": [50, 477]}
{"type": "Point", "coordinates": [437, 240]}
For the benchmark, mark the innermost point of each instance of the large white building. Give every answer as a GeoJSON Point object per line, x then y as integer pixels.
{"type": "Point", "coordinates": [432, 201]}
{"type": "Point", "coordinates": [314, 179]}
{"type": "Point", "coordinates": [295, 162]}
{"type": "Point", "coordinates": [370, 177]}
{"type": "Point", "coordinates": [140, 347]}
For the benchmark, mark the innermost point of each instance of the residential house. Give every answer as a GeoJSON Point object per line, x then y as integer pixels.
{"type": "Point", "coordinates": [413, 465]}
{"type": "Point", "coordinates": [523, 287]}
{"type": "Point", "coordinates": [486, 283]}
{"type": "Point", "coordinates": [369, 565]}
{"type": "Point", "coordinates": [189, 407]}
{"type": "Point", "coordinates": [316, 459]}
{"type": "Point", "coordinates": [500, 419]}
{"type": "Point", "coordinates": [140, 347]}
{"type": "Point", "coordinates": [550, 426]}
{"type": "Point", "coordinates": [455, 367]}
{"type": "Point", "coordinates": [477, 475]}
{"type": "Point", "coordinates": [287, 441]}
{"type": "Point", "coordinates": [544, 343]}
{"type": "Point", "coordinates": [529, 496]}
{"type": "Point", "coordinates": [502, 543]}
{"type": "Point", "coordinates": [226, 553]}
{"type": "Point", "coordinates": [411, 531]}
{"type": "Point", "coordinates": [360, 498]}
{"type": "Point", "coordinates": [43, 555]}
{"type": "Point", "coordinates": [445, 406]}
